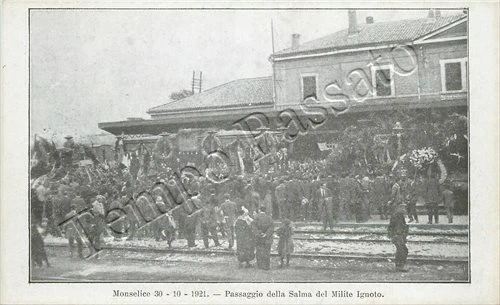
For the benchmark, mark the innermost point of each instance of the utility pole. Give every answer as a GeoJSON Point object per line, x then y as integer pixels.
{"type": "Point", "coordinates": [272, 63]}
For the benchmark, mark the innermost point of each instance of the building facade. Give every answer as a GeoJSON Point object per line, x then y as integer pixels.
{"type": "Point", "coordinates": [369, 72]}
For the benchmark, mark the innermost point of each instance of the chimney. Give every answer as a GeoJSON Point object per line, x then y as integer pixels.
{"type": "Point", "coordinates": [437, 13]}
{"type": "Point", "coordinates": [431, 13]}
{"type": "Point", "coordinates": [353, 24]}
{"type": "Point", "coordinates": [295, 41]}
{"type": "Point", "coordinates": [369, 20]}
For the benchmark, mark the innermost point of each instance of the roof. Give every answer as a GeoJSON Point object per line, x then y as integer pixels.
{"type": "Point", "coordinates": [240, 92]}
{"type": "Point", "coordinates": [375, 33]}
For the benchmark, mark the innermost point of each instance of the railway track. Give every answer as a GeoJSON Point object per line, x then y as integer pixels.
{"type": "Point", "coordinates": [386, 240]}
{"type": "Point", "coordinates": [154, 254]}
{"type": "Point", "coordinates": [381, 232]}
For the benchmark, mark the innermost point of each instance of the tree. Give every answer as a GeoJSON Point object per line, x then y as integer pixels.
{"type": "Point", "coordinates": [179, 95]}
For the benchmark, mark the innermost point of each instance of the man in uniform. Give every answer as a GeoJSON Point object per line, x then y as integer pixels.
{"type": "Point", "coordinates": [228, 209]}
{"type": "Point", "coordinates": [398, 231]}
{"type": "Point", "coordinates": [325, 203]}
{"type": "Point", "coordinates": [396, 194]}
{"type": "Point", "coordinates": [209, 222]}
{"type": "Point", "coordinates": [280, 199]}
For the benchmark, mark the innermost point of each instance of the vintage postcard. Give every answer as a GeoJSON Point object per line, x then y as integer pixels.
{"type": "Point", "coordinates": [227, 153]}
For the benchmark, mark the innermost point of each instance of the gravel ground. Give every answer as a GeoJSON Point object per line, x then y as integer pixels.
{"type": "Point", "coordinates": [113, 266]}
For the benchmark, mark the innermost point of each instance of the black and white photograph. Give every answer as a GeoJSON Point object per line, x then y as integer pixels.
{"type": "Point", "coordinates": [257, 145]}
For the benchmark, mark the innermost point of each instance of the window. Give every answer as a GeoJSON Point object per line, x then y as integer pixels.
{"type": "Point", "coordinates": [309, 88]}
{"type": "Point", "coordinates": [453, 74]}
{"type": "Point", "coordinates": [383, 80]}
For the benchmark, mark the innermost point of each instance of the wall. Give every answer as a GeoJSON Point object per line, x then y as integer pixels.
{"type": "Point", "coordinates": [352, 72]}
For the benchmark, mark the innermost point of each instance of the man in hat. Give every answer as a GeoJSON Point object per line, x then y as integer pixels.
{"type": "Point", "coordinates": [398, 231]}
{"type": "Point", "coordinates": [69, 143]}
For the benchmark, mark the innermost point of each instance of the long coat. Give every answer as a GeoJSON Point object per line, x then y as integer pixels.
{"type": "Point", "coordinates": [245, 243]}
{"type": "Point", "coordinates": [263, 229]}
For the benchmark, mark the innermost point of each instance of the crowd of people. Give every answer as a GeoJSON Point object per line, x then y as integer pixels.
{"type": "Point", "coordinates": [241, 209]}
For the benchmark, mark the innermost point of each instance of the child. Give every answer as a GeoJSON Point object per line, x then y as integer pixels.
{"type": "Point", "coordinates": [285, 244]}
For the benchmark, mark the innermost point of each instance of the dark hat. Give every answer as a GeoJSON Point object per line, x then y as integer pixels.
{"type": "Point", "coordinates": [68, 137]}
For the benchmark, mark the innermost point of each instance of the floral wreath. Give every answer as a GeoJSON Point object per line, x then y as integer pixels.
{"type": "Point", "coordinates": [423, 159]}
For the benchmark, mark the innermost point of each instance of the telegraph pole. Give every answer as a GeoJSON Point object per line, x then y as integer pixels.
{"type": "Point", "coordinates": [272, 62]}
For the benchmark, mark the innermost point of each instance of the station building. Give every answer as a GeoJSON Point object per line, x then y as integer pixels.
{"type": "Point", "coordinates": [370, 73]}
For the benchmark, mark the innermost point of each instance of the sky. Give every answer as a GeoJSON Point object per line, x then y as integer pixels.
{"type": "Point", "coordinates": [91, 66]}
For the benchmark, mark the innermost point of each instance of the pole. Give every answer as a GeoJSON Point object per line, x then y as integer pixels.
{"type": "Point", "coordinates": [272, 62]}
{"type": "Point", "coordinates": [192, 84]}
{"type": "Point", "coordinates": [200, 81]}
